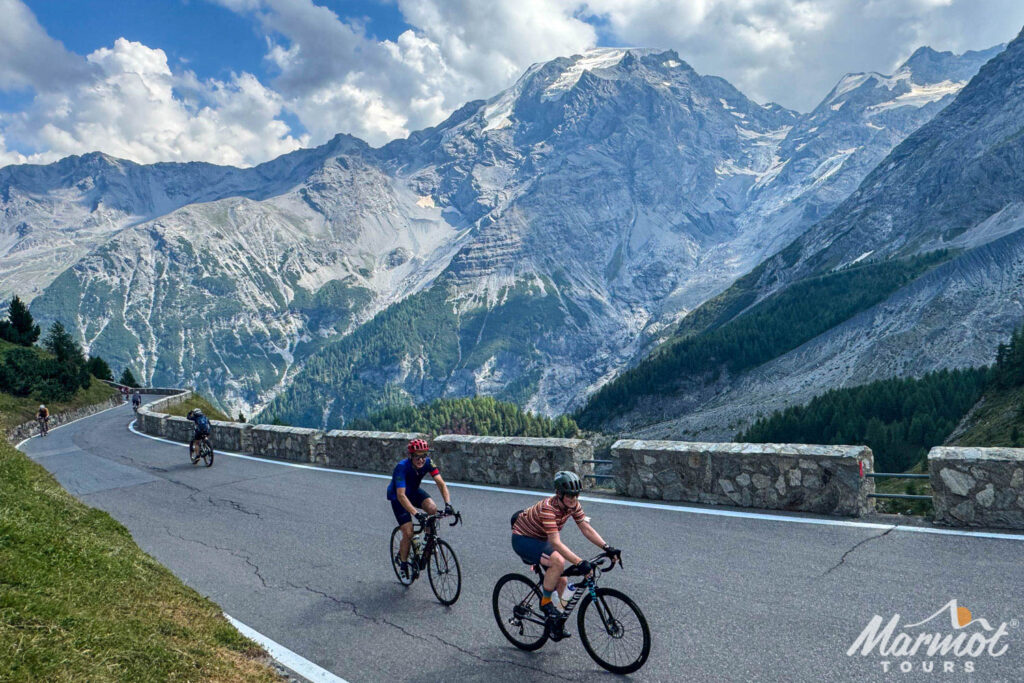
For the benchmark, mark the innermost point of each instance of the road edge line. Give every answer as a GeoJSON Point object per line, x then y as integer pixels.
{"type": "Point", "coordinates": [284, 656]}
{"type": "Point", "coordinates": [633, 503]}
{"type": "Point", "coordinates": [65, 424]}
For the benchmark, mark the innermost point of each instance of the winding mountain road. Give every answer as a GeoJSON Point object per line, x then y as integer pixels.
{"type": "Point", "coordinates": [300, 555]}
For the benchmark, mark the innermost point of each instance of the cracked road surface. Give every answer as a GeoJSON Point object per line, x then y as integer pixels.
{"type": "Point", "coordinates": [301, 556]}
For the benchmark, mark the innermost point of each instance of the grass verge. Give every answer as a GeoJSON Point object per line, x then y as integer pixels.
{"type": "Point", "coordinates": [16, 410]}
{"type": "Point", "coordinates": [80, 601]}
{"type": "Point", "coordinates": [197, 401]}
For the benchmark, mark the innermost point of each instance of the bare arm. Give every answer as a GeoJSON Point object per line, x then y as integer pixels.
{"type": "Point", "coordinates": [555, 539]}
{"type": "Point", "coordinates": [591, 534]}
{"type": "Point", "coordinates": [444, 488]}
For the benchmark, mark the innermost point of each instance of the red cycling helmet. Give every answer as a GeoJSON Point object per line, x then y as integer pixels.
{"type": "Point", "coordinates": [417, 446]}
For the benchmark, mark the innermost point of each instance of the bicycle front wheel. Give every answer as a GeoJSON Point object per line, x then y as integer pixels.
{"type": "Point", "coordinates": [207, 452]}
{"type": "Point", "coordinates": [444, 573]}
{"type": "Point", "coordinates": [516, 604]}
{"type": "Point", "coordinates": [396, 541]}
{"type": "Point", "coordinates": [614, 631]}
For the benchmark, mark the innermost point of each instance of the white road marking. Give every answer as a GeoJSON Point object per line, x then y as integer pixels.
{"type": "Point", "coordinates": [296, 663]}
{"type": "Point", "coordinates": [638, 504]}
{"type": "Point", "coordinates": [52, 429]}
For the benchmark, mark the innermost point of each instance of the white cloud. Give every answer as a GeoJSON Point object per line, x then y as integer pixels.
{"type": "Point", "coordinates": [126, 101]}
{"type": "Point", "coordinates": [794, 51]}
{"type": "Point", "coordinates": [337, 79]}
{"type": "Point", "coordinates": [333, 77]}
{"type": "Point", "coordinates": [29, 58]}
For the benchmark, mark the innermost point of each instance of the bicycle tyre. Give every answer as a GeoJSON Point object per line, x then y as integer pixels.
{"type": "Point", "coordinates": [607, 595]}
{"type": "Point", "coordinates": [517, 588]}
{"type": "Point", "coordinates": [206, 451]}
{"type": "Point", "coordinates": [396, 542]}
{"type": "Point", "coordinates": [441, 564]}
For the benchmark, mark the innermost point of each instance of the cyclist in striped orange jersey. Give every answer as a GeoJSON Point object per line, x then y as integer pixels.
{"type": "Point", "coordinates": [536, 539]}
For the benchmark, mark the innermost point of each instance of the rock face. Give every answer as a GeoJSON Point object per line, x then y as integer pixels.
{"type": "Point", "coordinates": [823, 479]}
{"type": "Point", "coordinates": [575, 217]}
{"type": "Point", "coordinates": [982, 487]}
{"type": "Point", "coordinates": [956, 183]}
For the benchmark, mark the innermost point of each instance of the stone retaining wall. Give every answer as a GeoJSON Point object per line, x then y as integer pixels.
{"type": "Point", "coordinates": [288, 443]}
{"type": "Point", "coordinates": [512, 461]}
{"type": "Point", "coordinates": [367, 451]}
{"type": "Point", "coordinates": [822, 479]}
{"type": "Point", "coordinates": [30, 429]}
{"type": "Point", "coordinates": [981, 487]}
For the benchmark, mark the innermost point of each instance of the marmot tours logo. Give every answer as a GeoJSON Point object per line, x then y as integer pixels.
{"type": "Point", "coordinates": [948, 641]}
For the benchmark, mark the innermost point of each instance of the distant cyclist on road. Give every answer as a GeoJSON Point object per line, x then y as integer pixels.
{"type": "Point", "coordinates": [406, 496]}
{"type": "Point", "coordinates": [136, 400]}
{"type": "Point", "coordinates": [536, 539]}
{"type": "Point", "coordinates": [202, 428]}
{"type": "Point", "coordinates": [43, 416]}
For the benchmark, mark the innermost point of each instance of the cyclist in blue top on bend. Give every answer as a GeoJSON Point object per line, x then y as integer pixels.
{"type": "Point", "coordinates": [405, 494]}
{"type": "Point", "coordinates": [202, 428]}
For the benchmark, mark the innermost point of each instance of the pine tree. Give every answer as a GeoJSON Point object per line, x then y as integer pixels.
{"type": "Point", "coordinates": [99, 368]}
{"type": "Point", "coordinates": [128, 379]}
{"type": "Point", "coordinates": [62, 345]}
{"type": "Point", "coordinates": [19, 327]}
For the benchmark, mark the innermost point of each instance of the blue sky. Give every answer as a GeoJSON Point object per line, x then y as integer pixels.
{"type": "Point", "coordinates": [207, 38]}
{"type": "Point", "coordinates": [243, 81]}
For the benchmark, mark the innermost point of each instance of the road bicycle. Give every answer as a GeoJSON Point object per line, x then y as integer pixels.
{"type": "Point", "coordinates": [202, 449]}
{"type": "Point", "coordinates": [432, 554]}
{"type": "Point", "coordinates": [613, 629]}
{"type": "Point", "coordinates": [44, 425]}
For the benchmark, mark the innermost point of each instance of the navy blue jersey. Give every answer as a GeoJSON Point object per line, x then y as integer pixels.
{"type": "Point", "coordinates": [202, 424]}
{"type": "Point", "coordinates": [408, 477]}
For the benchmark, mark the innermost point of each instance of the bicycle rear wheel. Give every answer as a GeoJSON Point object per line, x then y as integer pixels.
{"type": "Point", "coordinates": [396, 540]}
{"type": "Point", "coordinates": [516, 604]}
{"type": "Point", "coordinates": [206, 451]}
{"type": "Point", "coordinates": [614, 631]}
{"type": "Point", "coordinates": [444, 573]}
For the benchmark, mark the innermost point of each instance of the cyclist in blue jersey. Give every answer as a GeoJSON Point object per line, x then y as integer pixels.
{"type": "Point", "coordinates": [202, 428]}
{"type": "Point", "coordinates": [406, 496]}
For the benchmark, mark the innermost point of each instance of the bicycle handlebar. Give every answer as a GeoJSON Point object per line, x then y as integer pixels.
{"type": "Point", "coordinates": [439, 515]}
{"type": "Point", "coordinates": [601, 562]}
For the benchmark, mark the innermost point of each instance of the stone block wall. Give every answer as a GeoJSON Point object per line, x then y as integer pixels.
{"type": "Point", "coordinates": [822, 479]}
{"type": "Point", "coordinates": [288, 443]}
{"type": "Point", "coordinates": [235, 437]}
{"type": "Point", "coordinates": [178, 429]}
{"type": "Point", "coordinates": [366, 451]}
{"type": "Point", "coordinates": [29, 429]}
{"type": "Point", "coordinates": [511, 461]}
{"type": "Point", "coordinates": [981, 487]}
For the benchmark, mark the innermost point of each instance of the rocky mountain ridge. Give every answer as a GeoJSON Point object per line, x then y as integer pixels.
{"type": "Point", "coordinates": [955, 184]}
{"type": "Point", "coordinates": [616, 190]}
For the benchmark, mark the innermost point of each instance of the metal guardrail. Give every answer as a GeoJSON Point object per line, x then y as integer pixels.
{"type": "Point", "coordinates": [897, 475]}
{"type": "Point", "coordinates": [599, 462]}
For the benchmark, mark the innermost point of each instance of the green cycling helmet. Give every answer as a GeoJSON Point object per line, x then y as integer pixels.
{"type": "Point", "coordinates": [567, 482]}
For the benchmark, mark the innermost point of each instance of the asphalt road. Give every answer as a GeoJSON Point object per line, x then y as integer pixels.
{"type": "Point", "coordinates": [301, 556]}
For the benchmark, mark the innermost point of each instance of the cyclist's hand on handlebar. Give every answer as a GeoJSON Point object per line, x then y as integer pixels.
{"type": "Point", "coordinates": [583, 567]}
{"type": "Point", "coordinates": [421, 517]}
{"type": "Point", "coordinates": [448, 509]}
